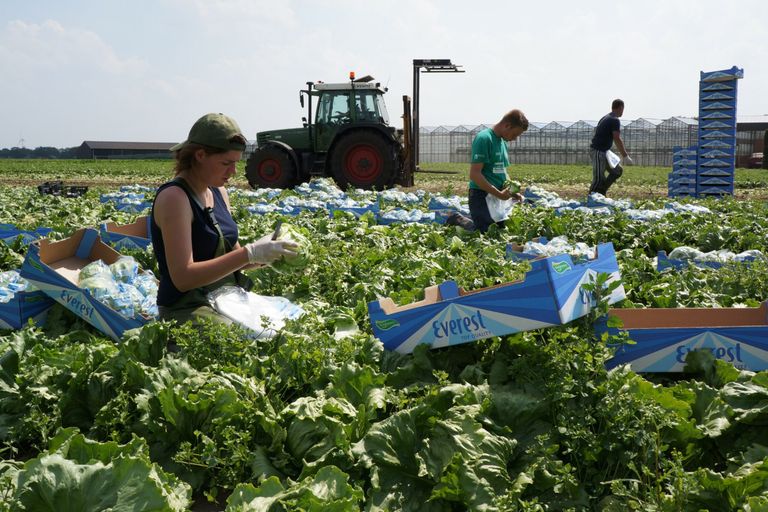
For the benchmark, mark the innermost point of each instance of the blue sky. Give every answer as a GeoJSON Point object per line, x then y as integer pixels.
{"type": "Point", "coordinates": [144, 70]}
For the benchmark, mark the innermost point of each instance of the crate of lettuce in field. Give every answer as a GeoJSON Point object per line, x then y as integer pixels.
{"type": "Point", "coordinates": [113, 295]}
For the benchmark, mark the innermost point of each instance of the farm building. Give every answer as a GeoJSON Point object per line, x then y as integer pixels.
{"type": "Point", "coordinates": [95, 149]}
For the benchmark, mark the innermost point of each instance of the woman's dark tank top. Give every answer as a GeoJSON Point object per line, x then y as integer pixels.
{"type": "Point", "coordinates": [205, 240]}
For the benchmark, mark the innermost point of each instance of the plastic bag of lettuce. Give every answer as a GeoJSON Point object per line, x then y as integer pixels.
{"type": "Point", "coordinates": [301, 260]}
{"type": "Point", "coordinates": [122, 286]}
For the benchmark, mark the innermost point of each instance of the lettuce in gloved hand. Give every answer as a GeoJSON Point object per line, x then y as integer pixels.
{"type": "Point", "coordinates": [287, 263]}
{"type": "Point", "coordinates": [513, 186]}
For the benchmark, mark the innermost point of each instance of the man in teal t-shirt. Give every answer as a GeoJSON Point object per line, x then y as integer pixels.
{"type": "Point", "coordinates": [488, 169]}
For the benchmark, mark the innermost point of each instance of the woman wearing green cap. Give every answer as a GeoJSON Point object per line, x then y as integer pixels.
{"type": "Point", "coordinates": [194, 236]}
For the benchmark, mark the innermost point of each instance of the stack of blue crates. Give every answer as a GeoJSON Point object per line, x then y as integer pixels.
{"type": "Point", "coordinates": [717, 132]}
{"type": "Point", "coordinates": [682, 179]}
{"type": "Point", "coordinates": [708, 169]}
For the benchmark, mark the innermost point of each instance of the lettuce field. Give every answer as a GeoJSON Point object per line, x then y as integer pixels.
{"type": "Point", "coordinates": [322, 418]}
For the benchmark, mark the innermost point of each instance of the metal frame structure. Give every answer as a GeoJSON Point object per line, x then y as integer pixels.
{"type": "Point", "coordinates": [427, 66]}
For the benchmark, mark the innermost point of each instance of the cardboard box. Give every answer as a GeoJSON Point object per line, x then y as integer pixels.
{"type": "Point", "coordinates": [549, 294]}
{"type": "Point", "coordinates": [566, 277]}
{"type": "Point", "coordinates": [137, 235]}
{"type": "Point", "coordinates": [664, 336]}
{"type": "Point", "coordinates": [23, 306]}
{"type": "Point", "coordinates": [9, 233]}
{"type": "Point", "coordinates": [54, 267]}
{"type": "Point", "coordinates": [664, 262]}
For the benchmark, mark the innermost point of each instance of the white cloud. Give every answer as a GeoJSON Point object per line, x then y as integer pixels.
{"type": "Point", "coordinates": [49, 47]}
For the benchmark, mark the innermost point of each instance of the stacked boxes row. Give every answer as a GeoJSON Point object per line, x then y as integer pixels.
{"type": "Point", "coordinates": [708, 168]}
{"type": "Point", "coordinates": [717, 132]}
{"type": "Point", "coordinates": [682, 179]}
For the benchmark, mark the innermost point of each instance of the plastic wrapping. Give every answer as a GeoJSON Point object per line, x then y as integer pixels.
{"type": "Point", "coordinates": [11, 283]}
{"type": "Point", "coordinates": [96, 268]}
{"type": "Point", "coordinates": [121, 287]}
{"type": "Point", "coordinates": [125, 269]}
{"type": "Point", "coordinates": [560, 245]}
{"type": "Point", "coordinates": [264, 315]}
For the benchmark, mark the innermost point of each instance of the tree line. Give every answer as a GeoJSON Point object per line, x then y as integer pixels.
{"type": "Point", "coordinates": [39, 152]}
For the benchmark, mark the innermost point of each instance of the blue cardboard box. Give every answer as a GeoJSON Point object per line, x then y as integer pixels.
{"type": "Point", "coordinates": [567, 276]}
{"type": "Point", "coordinates": [9, 233]}
{"type": "Point", "coordinates": [23, 306]}
{"type": "Point", "coordinates": [549, 294]}
{"type": "Point", "coordinates": [664, 336]}
{"type": "Point", "coordinates": [664, 262]}
{"type": "Point", "coordinates": [136, 235]}
{"type": "Point", "coordinates": [54, 267]}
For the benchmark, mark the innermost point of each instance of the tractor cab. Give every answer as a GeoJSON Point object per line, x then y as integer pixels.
{"type": "Point", "coordinates": [345, 104]}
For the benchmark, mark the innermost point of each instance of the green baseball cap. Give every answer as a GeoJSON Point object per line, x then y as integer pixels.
{"type": "Point", "coordinates": [216, 131]}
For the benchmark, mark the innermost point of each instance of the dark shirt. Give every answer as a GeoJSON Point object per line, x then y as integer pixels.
{"type": "Point", "coordinates": [205, 240]}
{"type": "Point", "coordinates": [603, 138]}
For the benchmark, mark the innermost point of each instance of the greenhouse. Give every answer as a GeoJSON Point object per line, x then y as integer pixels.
{"type": "Point", "coordinates": [649, 141]}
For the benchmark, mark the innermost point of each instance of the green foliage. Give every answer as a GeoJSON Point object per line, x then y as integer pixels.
{"type": "Point", "coordinates": [320, 417]}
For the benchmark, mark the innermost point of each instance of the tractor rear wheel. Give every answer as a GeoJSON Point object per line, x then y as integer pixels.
{"type": "Point", "coordinates": [271, 167]}
{"type": "Point", "coordinates": [364, 159]}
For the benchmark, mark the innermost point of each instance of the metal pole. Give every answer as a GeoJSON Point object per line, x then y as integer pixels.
{"type": "Point", "coordinates": [415, 131]}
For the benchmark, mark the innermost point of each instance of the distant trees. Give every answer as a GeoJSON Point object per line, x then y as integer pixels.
{"type": "Point", "coordinates": [39, 152]}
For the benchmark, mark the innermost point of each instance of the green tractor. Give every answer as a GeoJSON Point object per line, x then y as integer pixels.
{"type": "Point", "coordinates": [349, 140]}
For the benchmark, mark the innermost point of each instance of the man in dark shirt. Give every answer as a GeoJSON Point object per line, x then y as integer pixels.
{"type": "Point", "coordinates": [607, 132]}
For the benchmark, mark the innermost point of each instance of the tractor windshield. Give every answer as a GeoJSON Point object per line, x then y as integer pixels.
{"type": "Point", "coordinates": [366, 110]}
{"type": "Point", "coordinates": [382, 109]}
{"type": "Point", "coordinates": [333, 108]}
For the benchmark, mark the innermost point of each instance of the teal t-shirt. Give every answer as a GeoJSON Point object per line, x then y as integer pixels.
{"type": "Point", "coordinates": [490, 150]}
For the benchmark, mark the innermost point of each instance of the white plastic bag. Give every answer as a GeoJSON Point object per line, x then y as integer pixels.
{"type": "Point", "coordinates": [613, 159]}
{"type": "Point", "coordinates": [261, 314]}
{"type": "Point", "coordinates": [498, 208]}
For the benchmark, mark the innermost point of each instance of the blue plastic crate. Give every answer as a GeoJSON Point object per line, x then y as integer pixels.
{"type": "Point", "coordinates": [720, 181]}
{"type": "Point", "coordinates": [722, 75]}
{"type": "Point", "coordinates": [728, 135]}
{"type": "Point", "coordinates": [707, 190]}
{"type": "Point", "coordinates": [717, 96]}
{"type": "Point", "coordinates": [717, 144]}
{"type": "Point", "coordinates": [716, 162]}
{"type": "Point", "coordinates": [717, 115]}
{"type": "Point", "coordinates": [716, 171]}
{"type": "Point", "coordinates": [724, 153]}
{"type": "Point", "coordinates": [683, 171]}
{"type": "Point", "coordinates": [725, 106]}
{"type": "Point", "coordinates": [683, 190]}
{"type": "Point", "coordinates": [728, 85]}
{"type": "Point", "coordinates": [679, 152]}
{"type": "Point", "coordinates": [718, 124]}
{"type": "Point", "coordinates": [684, 180]}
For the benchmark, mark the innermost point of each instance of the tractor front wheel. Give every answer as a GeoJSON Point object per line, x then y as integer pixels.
{"type": "Point", "coordinates": [271, 167]}
{"type": "Point", "coordinates": [364, 159]}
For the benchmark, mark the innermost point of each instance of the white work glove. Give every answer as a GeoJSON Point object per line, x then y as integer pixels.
{"type": "Point", "coordinates": [628, 160]}
{"type": "Point", "coordinates": [265, 250]}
